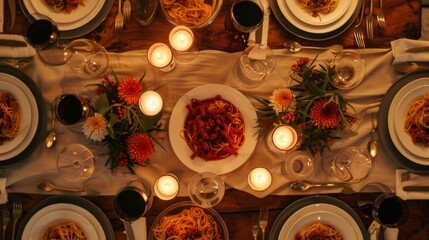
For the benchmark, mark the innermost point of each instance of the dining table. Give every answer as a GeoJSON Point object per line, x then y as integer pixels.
{"type": "Point", "coordinates": [216, 63]}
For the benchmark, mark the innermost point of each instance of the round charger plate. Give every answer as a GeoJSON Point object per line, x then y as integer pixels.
{"type": "Point", "coordinates": [177, 124]}
{"type": "Point", "coordinates": [383, 126]}
{"type": "Point", "coordinates": [38, 118]}
{"type": "Point", "coordinates": [321, 208]}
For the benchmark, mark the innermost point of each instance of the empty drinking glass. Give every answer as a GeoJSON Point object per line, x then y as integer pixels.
{"type": "Point", "coordinates": [350, 164]}
{"type": "Point", "coordinates": [206, 189]}
{"type": "Point", "coordinates": [75, 163]}
{"type": "Point", "coordinates": [349, 70]}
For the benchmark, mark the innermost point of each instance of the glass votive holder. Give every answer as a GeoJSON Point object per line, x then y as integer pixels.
{"type": "Point", "coordinates": [182, 40]}
{"type": "Point", "coordinates": [282, 138]}
{"type": "Point", "coordinates": [259, 179]}
{"type": "Point", "coordinates": [349, 70]}
{"type": "Point", "coordinates": [298, 165]}
{"type": "Point", "coordinates": [150, 103]}
{"type": "Point", "coordinates": [166, 187]}
{"type": "Point", "coordinates": [161, 57]}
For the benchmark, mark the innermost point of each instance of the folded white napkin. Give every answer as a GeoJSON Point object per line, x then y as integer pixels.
{"type": "Point", "coordinates": [389, 233]}
{"type": "Point", "coordinates": [420, 180]}
{"type": "Point", "coordinates": [400, 45]}
{"type": "Point", "coordinates": [1, 15]}
{"type": "Point", "coordinates": [15, 52]}
{"type": "Point", "coordinates": [3, 192]}
{"type": "Point", "coordinates": [140, 229]}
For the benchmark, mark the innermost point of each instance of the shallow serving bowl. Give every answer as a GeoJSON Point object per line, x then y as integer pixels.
{"type": "Point", "coordinates": [178, 207]}
{"type": "Point", "coordinates": [215, 4]}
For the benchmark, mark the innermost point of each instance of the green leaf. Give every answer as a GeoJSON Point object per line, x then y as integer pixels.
{"type": "Point", "coordinates": [102, 104]}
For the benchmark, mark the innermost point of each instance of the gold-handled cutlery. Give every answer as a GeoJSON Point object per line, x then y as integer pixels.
{"type": "Point", "coordinates": [263, 219]}
{"type": "Point", "coordinates": [294, 47]}
{"type": "Point", "coordinates": [373, 143]}
{"type": "Point", "coordinates": [370, 21]}
{"type": "Point", "coordinates": [380, 17]}
{"type": "Point", "coordinates": [16, 213]}
{"type": "Point", "coordinates": [301, 186]}
{"type": "Point", "coordinates": [359, 31]}
{"type": "Point", "coordinates": [119, 20]}
{"type": "Point", "coordinates": [255, 226]}
{"type": "Point", "coordinates": [127, 11]}
{"type": "Point", "coordinates": [5, 218]}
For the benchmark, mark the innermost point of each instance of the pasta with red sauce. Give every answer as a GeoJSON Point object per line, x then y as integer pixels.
{"type": "Point", "coordinates": [64, 5]}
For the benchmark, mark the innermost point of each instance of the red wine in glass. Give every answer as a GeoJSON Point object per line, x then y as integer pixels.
{"type": "Point", "coordinates": [244, 17]}
{"type": "Point", "coordinates": [389, 210]}
{"type": "Point", "coordinates": [129, 204]}
{"type": "Point", "coordinates": [70, 109]}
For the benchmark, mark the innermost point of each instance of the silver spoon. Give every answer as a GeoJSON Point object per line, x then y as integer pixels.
{"type": "Point", "coordinates": [51, 137]}
{"type": "Point", "coordinates": [294, 47]}
{"type": "Point", "coordinates": [304, 186]}
{"type": "Point", "coordinates": [373, 143]}
{"type": "Point", "coordinates": [48, 186]}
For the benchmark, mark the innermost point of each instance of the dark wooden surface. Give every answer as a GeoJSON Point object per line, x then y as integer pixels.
{"type": "Point", "coordinates": [403, 19]}
{"type": "Point", "coordinates": [237, 209]}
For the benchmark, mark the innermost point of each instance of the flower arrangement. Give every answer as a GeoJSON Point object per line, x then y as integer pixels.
{"type": "Point", "coordinates": [119, 123]}
{"type": "Point", "coordinates": [311, 106]}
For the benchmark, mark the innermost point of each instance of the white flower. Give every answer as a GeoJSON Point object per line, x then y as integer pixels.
{"type": "Point", "coordinates": [281, 100]}
{"type": "Point", "coordinates": [95, 128]}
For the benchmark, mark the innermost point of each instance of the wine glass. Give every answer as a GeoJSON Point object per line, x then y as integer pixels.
{"type": "Point", "coordinates": [44, 36]}
{"type": "Point", "coordinates": [244, 17]}
{"type": "Point", "coordinates": [206, 189]}
{"type": "Point", "coordinates": [70, 109]}
{"type": "Point", "coordinates": [75, 163]}
{"type": "Point", "coordinates": [389, 210]}
{"type": "Point", "coordinates": [349, 70]}
{"type": "Point", "coordinates": [133, 201]}
{"type": "Point", "coordinates": [86, 58]}
{"type": "Point", "coordinates": [350, 164]}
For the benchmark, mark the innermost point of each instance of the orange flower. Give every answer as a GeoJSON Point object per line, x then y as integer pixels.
{"type": "Point", "coordinates": [281, 99]}
{"type": "Point", "coordinates": [139, 147]}
{"type": "Point", "coordinates": [324, 114]}
{"type": "Point", "coordinates": [129, 89]}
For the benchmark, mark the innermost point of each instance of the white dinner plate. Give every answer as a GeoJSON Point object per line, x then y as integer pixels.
{"type": "Point", "coordinates": [409, 91]}
{"type": "Point", "coordinates": [65, 26]}
{"type": "Point", "coordinates": [287, 13]}
{"type": "Point", "coordinates": [34, 116]}
{"type": "Point", "coordinates": [322, 19]}
{"type": "Point", "coordinates": [177, 124]}
{"type": "Point", "coordinates": [64, 17]}
{"type": "Point", "coordinates": [24, 112]}
{"type": "Point", "coordinates": [82, 213]}
{"type": "Point", "coordinates": [323, 213]}
{"type": "Point", "coordinates": [62, 217]}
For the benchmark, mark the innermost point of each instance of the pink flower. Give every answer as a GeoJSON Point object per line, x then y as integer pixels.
{"type": "Point", "coordinates": [129, 89]}
{"type": "Point", "coordinates": [324, 114]}
{"type": "Point", "coordinates": [139, 147]}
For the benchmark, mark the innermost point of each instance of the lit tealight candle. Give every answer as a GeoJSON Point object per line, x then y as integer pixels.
{"type": "Point", "coordinates": [166, 187]}
{"type": "Point", "coordinates": [161, 56]}
{"type": "Point", "coordinates": [259, 179]}
{"type": "Point", "coordinates": [283, 138]}
{"type": "Point", "coordinates": [181, 38]}
{"type": "Point", "coordinates": [150, 103]}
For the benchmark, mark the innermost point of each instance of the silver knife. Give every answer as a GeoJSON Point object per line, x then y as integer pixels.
{"type": "Point", "coordinates": [417, 49]}
{"type": "Point", "coordinates": [416, 188]}
{"type": "Point", "coordinates": [12, 8]}
{"type": "Point", "coordinates": [12, 43]}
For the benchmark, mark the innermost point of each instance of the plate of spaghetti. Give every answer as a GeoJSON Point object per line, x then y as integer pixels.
{"type": "Point", "coordinates": [321, 217]}
{"type": "Point", "coordinates": [407, 96]}
{"type": "Point", "coordinates": [64, 11]}
{"type": "Point", "coordinates": [185, 220]}
{"type": "Point", "coordinates": [191, 13]}
{"type": "Point", "coordinates": [15, 118]}
{"type": "Point", "coordinates": [320, 12]}
{"type": "Point", "coordinates": [212, 128]}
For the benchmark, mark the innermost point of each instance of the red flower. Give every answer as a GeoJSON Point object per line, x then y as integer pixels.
{"type": "Point", "coordinates": [129, 89]}
{"type": "Point", "coordinates": [324, 114]}
{"type": "Point", "coordinates": [139, 147]}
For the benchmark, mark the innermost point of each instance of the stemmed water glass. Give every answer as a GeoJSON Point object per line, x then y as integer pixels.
{"type": "Point", "coordinates": [206, 189]}
{"type": "Point", "coordinates": [44, 36]}
{"type": "Point", "coordinates": [75, 163]}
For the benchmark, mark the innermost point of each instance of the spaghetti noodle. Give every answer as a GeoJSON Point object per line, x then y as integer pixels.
{"type": "Point", "coordinates": [67, 231]}
{"type": "Point", "coordinates": [214, 128]}
{"type": "Point", "coordinates": [318, 231]}
{"type": "Point", "coordinates": [67, 5]}
{"type": "Point", "coordinates": [316, 7]}
{"type": "Point", "coordinates": [189, 12]}
{"type": "Point", "coordinates": [9, 117]}
{"type": "Point", "coordinates": [191, 223]}
{"type": "Point", "coordinates": [417, 120]}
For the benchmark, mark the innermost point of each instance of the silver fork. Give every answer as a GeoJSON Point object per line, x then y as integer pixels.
{"type": "Point", "coordinates": [16, 213]}
{"type": "Point", "coordinates": [119, 20]}
{"type": "Point", "coordinates": [405, 176]}
{"type": "Point", "coordinates": [127, 10]}
{"type": "Point", "coordinates": [370, 22]}
{"type": "Point", "coordinates": [255, 227]}
{"type": "Point", "coordinates": [263, 219]}
{"type": "Point", "coordinates": [5, 218]}
{"type": "Point", "coordinates": [380, 17]}
{"type": "Point", "coordinates": [358, 31]}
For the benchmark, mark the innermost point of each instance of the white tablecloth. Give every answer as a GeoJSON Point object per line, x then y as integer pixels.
{"type": "Point", "coordinates": [209, 67]}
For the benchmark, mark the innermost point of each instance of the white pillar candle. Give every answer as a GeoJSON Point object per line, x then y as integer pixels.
{"type": "Point", "coordinates": [166, 187]}
{"type": "Point", "coordinates": [161, 56]}
{"type": "Point", "coordinates": [181, 38]}
{"type": "Point", "coordinates": [283, 138]}
{"type": "Point", "coordinates": [259, 179]}
{"type": "Point", "coordinates": [150, 103]}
